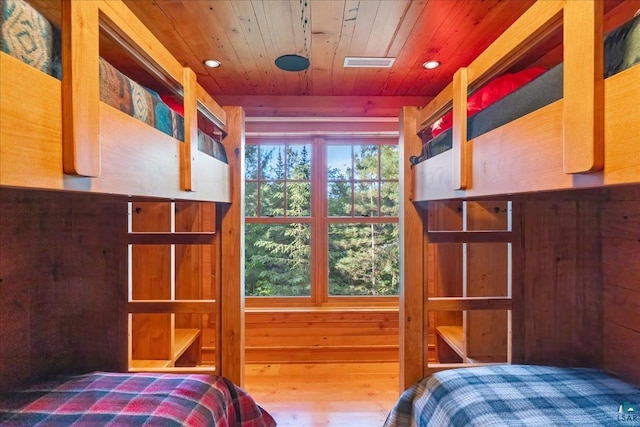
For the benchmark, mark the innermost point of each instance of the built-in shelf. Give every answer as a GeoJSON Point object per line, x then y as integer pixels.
{"type": "Point", "coordinates": [453, 336]}
{"type": "Point", "coordinates": [191, 238]}
{"type": "Point", "coordinates": [183, 338]}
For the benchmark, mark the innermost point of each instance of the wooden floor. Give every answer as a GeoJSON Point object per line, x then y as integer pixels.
{"type": "Point", "coordinates": [330, 394]}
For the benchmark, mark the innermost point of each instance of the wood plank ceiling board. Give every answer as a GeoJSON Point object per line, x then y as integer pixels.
{"type": "Point", "coordinates": [389, 16]}
{"type": "Point", "coordinates": [280, 23]}
{"type": "Point", "coordinates": [331, 34]}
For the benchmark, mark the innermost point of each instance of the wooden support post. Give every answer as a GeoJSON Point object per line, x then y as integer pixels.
{"type": "Point", "coordinates": [412, 287]}
{"type": "Point", "coordinates": [80, 88]}
{"type": "Point", "coordinates": [232, 252]}
{"type": "Point", "coordinates": [583, 87]}
{"type": "Point", "coordinates": [190, 146]}
{"type": "Point", "coordinates": [459, 137]}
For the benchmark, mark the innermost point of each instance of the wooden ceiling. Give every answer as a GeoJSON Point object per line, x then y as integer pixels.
{"type": "Point", "coordinates": [248, 35]}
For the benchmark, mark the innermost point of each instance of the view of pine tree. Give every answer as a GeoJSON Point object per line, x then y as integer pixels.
{"type": "Point", "coordinates": [363, 258]}
{"type": "Point", "coordinates": [361, 183]}
{"type": "Point", "coordinates": [277, 257]}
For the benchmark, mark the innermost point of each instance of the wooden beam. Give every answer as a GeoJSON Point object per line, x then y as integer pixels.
{"type": "Point", "coordinates": [459, 146]}
{"type": "Point", "coordinates": [232, 252]}
{"type": "Point", "coordinates": [583, 142]}
{"type": "Point", "coordinates": [412, 274]}
{"type": "Point", "coordinates": [80, 88]}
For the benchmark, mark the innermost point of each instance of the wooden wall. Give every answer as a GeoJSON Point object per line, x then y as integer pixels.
{"type": "Point", "coordinates": [558, 274]}
{"type": "Point", "coordinates": [620, 228]}
{"type": "Point", "coordinates": [61, 274]}
{"type": "Point", "coordinates": [332, 335]}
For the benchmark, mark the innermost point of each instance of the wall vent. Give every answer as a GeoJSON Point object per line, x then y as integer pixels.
{"type": "Point", "coordinates": [363, 62]}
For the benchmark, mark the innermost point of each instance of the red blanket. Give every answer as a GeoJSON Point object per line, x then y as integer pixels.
{"type": "Point", "coordinates": [114, 399]}
{"type": "Point", "coordinates": [496, 89]}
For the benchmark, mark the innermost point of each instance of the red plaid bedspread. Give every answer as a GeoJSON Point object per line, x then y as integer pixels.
{"type": "Point", "coordinates": [116, 399]}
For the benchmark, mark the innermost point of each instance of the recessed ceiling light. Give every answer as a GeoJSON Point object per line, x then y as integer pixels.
{"type": "Point", "coordinates": [212, 63]}
{"type": "Point", "coordinates": [292, 63]}
{"type": "Point", "coordinates": [430, 65]}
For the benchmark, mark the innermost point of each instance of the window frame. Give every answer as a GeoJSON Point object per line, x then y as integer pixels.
{"type": "Point", "coordinates": [319, 221]}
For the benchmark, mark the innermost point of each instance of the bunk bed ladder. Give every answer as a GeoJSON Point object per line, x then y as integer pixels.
{"type": "Point", "coordinates": [172, 287]}
{"type": "Point", "coordinates": [468, 309]}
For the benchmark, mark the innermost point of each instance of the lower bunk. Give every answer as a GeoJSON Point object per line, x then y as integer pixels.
{"type": "Point", "coordinates": [517, 395]}
{"type": "Point", "coordinates": [103, 398]}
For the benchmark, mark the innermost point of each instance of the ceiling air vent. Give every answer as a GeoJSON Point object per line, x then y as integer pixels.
{"type": "Point", "coordinates": [351, 62]}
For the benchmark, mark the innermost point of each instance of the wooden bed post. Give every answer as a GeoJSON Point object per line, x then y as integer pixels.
{"type": "Point", "coordinates": [460, 167]}
{"type": "Point", "coordinates": [80, 88]}
{"type": "Point", "coordinates": [412, 287]}
{"type": "Point", "coordinates": [232, 253]}
{"type": "Point", "coordinates": [188, 149]}
{"type": "Point", "coordinates": [583, 84]}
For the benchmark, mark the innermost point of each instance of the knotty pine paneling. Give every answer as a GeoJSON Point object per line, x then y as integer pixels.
{"type": "Point", "coordinates": [620, 228]}
{"type": "Point", "coordinates": [62, 273]}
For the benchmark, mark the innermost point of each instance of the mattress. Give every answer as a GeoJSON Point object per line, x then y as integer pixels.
{"type": "Point", "coordinates": [118, 399]}
{"type": "Point", "coordinates": [29, 37]}
{"type": "Point", "coordinates": [517, 395]}
{"type": "Point", "coordinates": [621, 51]}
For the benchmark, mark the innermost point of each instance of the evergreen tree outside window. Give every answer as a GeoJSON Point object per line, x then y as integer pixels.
{"type": "Point", "coordinates": [321, 219]}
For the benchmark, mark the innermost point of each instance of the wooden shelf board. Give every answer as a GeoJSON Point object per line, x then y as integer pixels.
{"type": "Point", "coordinates": [183, 338]}
{"type": "Point", "coordinates": [149, 363]}
{"type": "Point", "coordinates": [453, 336]}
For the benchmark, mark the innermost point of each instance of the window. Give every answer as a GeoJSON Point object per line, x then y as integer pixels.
{"type": "Point", "coordinates": [321, 220]}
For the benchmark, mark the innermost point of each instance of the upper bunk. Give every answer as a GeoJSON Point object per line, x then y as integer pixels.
{"type": "Point", "coordinates": [70, 120]}
{"type": "Point", "coordinates": [587, 136]}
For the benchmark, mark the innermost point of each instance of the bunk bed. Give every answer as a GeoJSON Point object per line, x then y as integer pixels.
{"type": "Point", "coordinates": [99, 172]}
{"type": "Point", "coordinates": [110, 134]}
{"type": "Point", "coordinates": [517, 228]}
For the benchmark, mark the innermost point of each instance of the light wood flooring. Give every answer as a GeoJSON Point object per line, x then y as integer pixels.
{"type": "Point", "coordinates": [328, 394]}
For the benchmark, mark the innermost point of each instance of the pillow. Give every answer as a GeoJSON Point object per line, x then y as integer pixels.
{"type": "Point", "coordinates": [496, 89]}
{"type": "Point", "coordinates": [26, 35]}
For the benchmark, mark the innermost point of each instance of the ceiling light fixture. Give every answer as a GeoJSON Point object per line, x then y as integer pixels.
{"type": "Point", "coordinates": [430, 65]}
{"type": "Point", "coordinates": [292, 63]}
{"type": "Point", "coordinates": [212, 63]}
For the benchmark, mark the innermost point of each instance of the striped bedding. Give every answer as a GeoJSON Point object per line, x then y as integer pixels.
{"type": "Point", "coordinates": [517, 395]}
{"type": "Point", "coordinates": [29, 37]}
{"type": "Point", "coordinates": [115, 399]}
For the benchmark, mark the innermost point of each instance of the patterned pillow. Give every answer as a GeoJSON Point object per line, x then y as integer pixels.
{"type": "Point", "coordinates": [26, 35]}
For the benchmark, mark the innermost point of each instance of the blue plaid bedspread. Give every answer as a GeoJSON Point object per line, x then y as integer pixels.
{"type": "Point", "coordinates": [517, 395]}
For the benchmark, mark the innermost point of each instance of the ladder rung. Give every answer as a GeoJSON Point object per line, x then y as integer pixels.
{"type": "Point", "coordinates": [171, 238]}
{"type": "Point", "coordinates": [469, 303]}
{"type": "Point", "coordinates": [469, 236]}
{"type": "Point", "coordinates": [176, 306]}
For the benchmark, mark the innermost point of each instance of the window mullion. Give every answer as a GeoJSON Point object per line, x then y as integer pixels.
{"type": "Point", "coordinates": [319, 263]}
